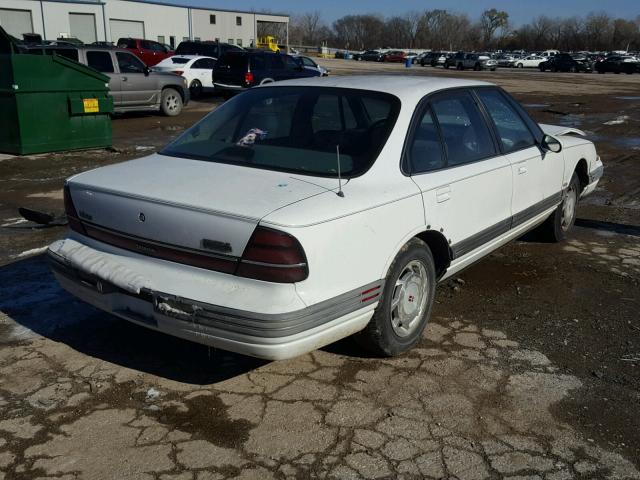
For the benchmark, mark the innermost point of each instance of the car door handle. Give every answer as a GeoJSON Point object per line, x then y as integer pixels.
{"type": "Point", "coordinates": [124, 79]}
{"type": "Point", "coordinates": [522, 170]}
{"type": "Point", "coordinates": [443, 194]}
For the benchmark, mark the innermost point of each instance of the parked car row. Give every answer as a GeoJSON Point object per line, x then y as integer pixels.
{"type": "Point", "coordinates": [548, 60]}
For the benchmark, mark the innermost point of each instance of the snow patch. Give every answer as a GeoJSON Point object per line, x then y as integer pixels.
{"type": "Point", "coordinates": [99, 264]}
{"type": "Point", "coordinates": [29, 253]}
{"type": "Point", "coordinates": [618, 120]}
{"type": "Point", "coordinates": [13, 221]}
{"type": "Point", "coordinates": [152, 394]}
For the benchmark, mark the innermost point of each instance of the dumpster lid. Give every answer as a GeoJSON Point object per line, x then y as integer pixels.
{"type": "Point", "coordinates": [8, 43]}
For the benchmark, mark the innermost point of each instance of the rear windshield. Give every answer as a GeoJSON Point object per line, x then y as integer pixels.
{"type": "Point", "coordinates": [179, 60]}
{"type": "Point", "coordinates": [294, 129]}
{"type": "Point", "coordinates": [234, 60]}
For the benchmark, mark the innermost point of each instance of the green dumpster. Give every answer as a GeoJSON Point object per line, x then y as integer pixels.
{"type": "Point", "coordinates": [49, 103]}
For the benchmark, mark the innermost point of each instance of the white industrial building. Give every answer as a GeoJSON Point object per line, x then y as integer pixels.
{"type": "Point", "coordinates": [109, 20]}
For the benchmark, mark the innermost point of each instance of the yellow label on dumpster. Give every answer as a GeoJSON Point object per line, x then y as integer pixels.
{"type": "Point", "coordinates": [91, 105]}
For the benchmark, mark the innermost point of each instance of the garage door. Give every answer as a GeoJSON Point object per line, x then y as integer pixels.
{"type": "Point", "coordinates": [125, 28]}
{"type": "Point", "coordinates": [83, 26]}
{"type": "Point", "coordinates": [16, 22]}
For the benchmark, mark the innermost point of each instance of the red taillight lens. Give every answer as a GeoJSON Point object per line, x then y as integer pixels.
{"type": "Point", "coordinates": [72, 216]}
{"type": "Point", "coordinates": [273, 256]}
{"type": "Point", "coordinates": [178, 72]}
{"type": "Point", "coordinates": [248, 78]}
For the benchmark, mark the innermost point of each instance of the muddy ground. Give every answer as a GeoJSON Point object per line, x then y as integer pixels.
{"type": "Point", "coordinates": [530, 367]}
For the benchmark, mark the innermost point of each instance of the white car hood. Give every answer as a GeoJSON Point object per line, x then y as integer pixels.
{"type": "Point", "coordinates": [557, 130]}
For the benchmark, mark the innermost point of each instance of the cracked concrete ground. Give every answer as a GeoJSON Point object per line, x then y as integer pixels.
{"type": "Point", "coordinates": [529, 368]}
{"type": "Point", "coordinates": [469, 403]}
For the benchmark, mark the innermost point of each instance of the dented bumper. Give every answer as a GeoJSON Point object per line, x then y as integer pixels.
{"type": "Point", "coordinates": [269, 336]}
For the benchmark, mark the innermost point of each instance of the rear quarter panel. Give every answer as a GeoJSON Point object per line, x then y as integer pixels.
{"type": "Point", "coordinates": [351, 249]}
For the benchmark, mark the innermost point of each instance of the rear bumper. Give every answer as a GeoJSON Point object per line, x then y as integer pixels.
{"type": "Point", "coordinates": [268, 336]}
{"type": "Point", "coordinates": [224, 87]}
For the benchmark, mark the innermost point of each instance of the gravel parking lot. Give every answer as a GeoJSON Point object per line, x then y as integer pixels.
{"type": "Point", "coordinates": [530, 367]}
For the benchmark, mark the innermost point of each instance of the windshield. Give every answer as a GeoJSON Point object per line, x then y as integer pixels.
{"type": "Point", "coordinates": [294, 129]}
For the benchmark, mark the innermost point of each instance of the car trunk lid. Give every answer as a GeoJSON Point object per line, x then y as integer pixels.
{"type": "Point", "coordinates": [186, 204]}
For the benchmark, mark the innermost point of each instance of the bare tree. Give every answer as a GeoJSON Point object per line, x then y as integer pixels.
{"type": "Point", "coordinates": [309, 24]}
{"type": "Point", "coordinates": [490, 22]}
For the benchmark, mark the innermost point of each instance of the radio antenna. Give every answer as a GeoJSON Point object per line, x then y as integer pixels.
{"type": "Point", "coordinates": [340, 192]}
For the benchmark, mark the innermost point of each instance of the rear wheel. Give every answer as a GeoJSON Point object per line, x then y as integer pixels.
{"type": "Point", "coordinates": [171, 102]}
{"type": "Point", "coordinates": [406, 303]}
{"type": "Point", "coordinates": [195, 89]}
{"type": "Point", "coordinates": [558, 225]}
{"type": "Point", "coordinates": [520, 65]}
{"type": "Point", "coordinates": [572, 70]}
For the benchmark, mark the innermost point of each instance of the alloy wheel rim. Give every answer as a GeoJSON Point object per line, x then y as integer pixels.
{"type": "Point", "coordinates": [568, 209]}
{"type": "Point", "coordinates": [409, 298]}
{"type": "Point", "coordinates": [172, 102]}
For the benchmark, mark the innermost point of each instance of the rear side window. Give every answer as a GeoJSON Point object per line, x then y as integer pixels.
{"type": "Point", "coordinates": [464, 131]}
{"type": "Point", "coordinates": [129, 63]}
{"type": "Point", "coordinates": [512, 131]}
{"type": "Point", "coordinates": [179, 60]}
{"type": "Point", "coordinates": [127, 43]}
{"type": "Point", "coordinates": [205, 63]}
{"type": "Point", "coordinates": [258, 63]}
{"type": "Point", "coordinates": [101, 61]}
{"type": "Point", "coordinates": [276, 62]}
{"type": "Point", "coordinates": [425, 152]}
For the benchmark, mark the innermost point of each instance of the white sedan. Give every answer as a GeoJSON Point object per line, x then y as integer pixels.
{"type": "Point", "coordinates": [532, 61]}
{"type": "Point", "coordinates": [197, 70]}
{"type": "Point", "coordinates": [302, 212]}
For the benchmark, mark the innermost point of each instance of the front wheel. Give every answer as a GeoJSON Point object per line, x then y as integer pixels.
{"type": "Point", "coordinates": [170, 102]}
{"type": "Point", "coordinates": [405, 307]}
{"type": "Point", "coordinates": [558, 225]}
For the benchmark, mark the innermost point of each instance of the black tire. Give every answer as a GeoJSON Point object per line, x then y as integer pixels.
{"type": "Point", "coordinates": [477, 67]}
{"type": "Point", "coordinates": [446, 65]}
{"type": "Point", "coordinates": [380, 336]}
{"type": "Point", "coordinates": [170, 102]}
{"type": "Point", "coordinates": [195, 89]}
{"type": "Point", "coordinates": [556, 227]}
{"type": "Point", "coordinates": [520, 65]}
{"type": "Point", "coordinates": [573, 69]}
{"type": "Point", "coordinates": [459, 67]}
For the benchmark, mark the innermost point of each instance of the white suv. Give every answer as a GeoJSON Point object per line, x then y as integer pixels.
{"type": "Point", "coordinates": [305, 211]}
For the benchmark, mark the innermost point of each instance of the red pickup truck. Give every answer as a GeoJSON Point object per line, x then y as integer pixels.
{"type": "Point", "coordinates": [148, 51]}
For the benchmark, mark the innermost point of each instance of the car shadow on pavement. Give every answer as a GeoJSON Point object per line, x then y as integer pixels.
{"type": "Point", "coordinates": [621, 228]}
{"type": "Point", "coordinates": [31, 297]}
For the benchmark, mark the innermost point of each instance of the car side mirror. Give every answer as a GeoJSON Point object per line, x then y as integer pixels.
{"type": "Point", "coordinates": [146, 71]}
{"type": "Point", "coordinates": [551, 144]}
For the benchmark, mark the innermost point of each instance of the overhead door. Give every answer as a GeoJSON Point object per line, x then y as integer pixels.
{"type": "Point", "coordinates": [83, 26]}
{"type": "Point", "coordinates": [16, 22]}
{"type": "Point", "coordinates": [126, 28]}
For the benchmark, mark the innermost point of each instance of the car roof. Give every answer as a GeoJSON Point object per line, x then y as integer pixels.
{"type": "Point", "coordinates": [409, 88]}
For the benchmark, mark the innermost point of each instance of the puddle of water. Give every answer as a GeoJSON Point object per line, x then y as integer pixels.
{"type": "Point", "coordinates": [629, 142]}
{"type": "Point", "coordinates": [571, 120]}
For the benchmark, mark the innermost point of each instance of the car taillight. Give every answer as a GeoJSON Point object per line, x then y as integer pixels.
{"type": "Point", "coordinates": [178, 72]}
{"type": "Point", "coordinates": [248, 78]}
{"type": "Point", "coordinates": [72, 216]}
{"type": "Point", "coordinates": [273, 256]}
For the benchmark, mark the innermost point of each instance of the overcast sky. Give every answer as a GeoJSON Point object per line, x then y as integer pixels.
{"type": "Point", "coordinates": [520, 11]}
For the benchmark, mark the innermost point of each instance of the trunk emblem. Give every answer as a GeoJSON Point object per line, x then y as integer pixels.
{"type": "Point", "coordinates": [141, 217]}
